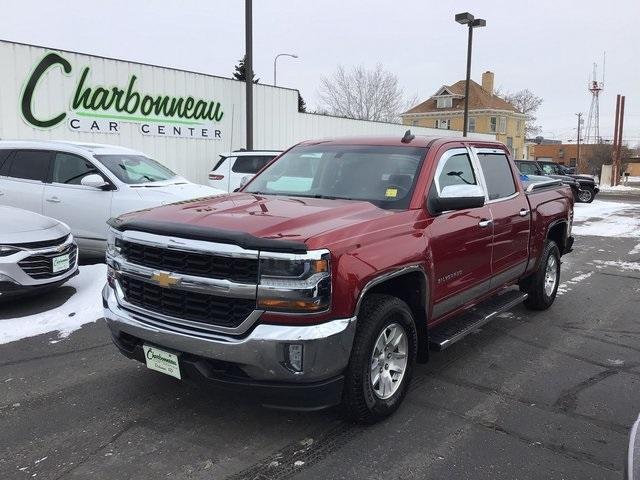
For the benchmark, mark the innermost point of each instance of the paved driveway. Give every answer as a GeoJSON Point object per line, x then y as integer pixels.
{"type": "Point", "coordinates": [532, 395]}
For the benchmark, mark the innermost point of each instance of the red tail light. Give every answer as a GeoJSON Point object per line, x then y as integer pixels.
{"type": "Point", "coordinates": [215, 176]}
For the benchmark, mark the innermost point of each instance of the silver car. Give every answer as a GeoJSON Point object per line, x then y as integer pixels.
{"type": "Point", "coordinates": [36, 252]}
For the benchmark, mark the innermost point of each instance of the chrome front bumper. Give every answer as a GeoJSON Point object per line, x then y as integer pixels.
{"type": "Point", "coordinates": [260, 354]}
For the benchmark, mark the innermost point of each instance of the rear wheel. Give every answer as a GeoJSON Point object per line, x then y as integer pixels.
{"type": "Point", "coordinates": [542, 286]}
{"type": "Point", "coordinates": [382, 359]}
{"type": "Point", "coordinates": [586, 195]}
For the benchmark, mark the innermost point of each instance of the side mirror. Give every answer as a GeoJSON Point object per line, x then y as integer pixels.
{"type": "Point", "coordinates": [245, 180]}
{"type": "Point", "coordinates": [458, 197]}
{"type": "Point", "coordinates": [94, 180]}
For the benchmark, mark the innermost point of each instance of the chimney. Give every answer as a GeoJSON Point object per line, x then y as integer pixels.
{"type": "Point", "coordinates": [487, 82]}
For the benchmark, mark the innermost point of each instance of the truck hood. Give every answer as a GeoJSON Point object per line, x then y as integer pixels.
{"type": "Point", "coordinates": [176, 189]}
{"type": "Point", "coordinates": [269, 217]}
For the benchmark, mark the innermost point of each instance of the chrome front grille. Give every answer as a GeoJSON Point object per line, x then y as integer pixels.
{"type": "Point", "coordinates": [199, 264]}
{"type": "Point", "coordinates": [198, 307]}
{"type": "Point", "coordinates": [40, 266]}
{"type": "Point", "coordinates": [193, 284]}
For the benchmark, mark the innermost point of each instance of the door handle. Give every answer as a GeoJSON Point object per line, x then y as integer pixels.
{"type": "Point", "coordinates": [524, 212]}
{"type": "Point", "coordinates": [53, 200]}
{"type": "Point", "coordinates": [484, 223]}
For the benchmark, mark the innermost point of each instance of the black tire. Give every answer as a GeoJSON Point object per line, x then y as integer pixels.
{"type": "Point", "coordinates": [360, 402]}
{"type": "Point", "coordinates": [586, 195]}
{"type": "Point", "coordinates": [534, 285]}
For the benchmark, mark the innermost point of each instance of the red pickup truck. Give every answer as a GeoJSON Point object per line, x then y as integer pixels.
{"type": "Point", "coordinates": [336, 269]}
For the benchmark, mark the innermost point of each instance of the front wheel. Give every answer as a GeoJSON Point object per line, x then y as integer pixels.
{"type": "Point", "coordinates": [586, 195]}
{"type": "Point", "coordinates": [542, 286]}
{"type": "Point", "coordinates": [382, 359]}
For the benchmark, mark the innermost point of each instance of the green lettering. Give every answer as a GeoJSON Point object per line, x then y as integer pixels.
{"type": "Point", "coordinates": [27, 95]}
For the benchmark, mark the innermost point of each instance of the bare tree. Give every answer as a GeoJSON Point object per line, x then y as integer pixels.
{"type": "Point", "coordinates": [526, 102]}
{"type": "Point", "coordinates": [362, 94]}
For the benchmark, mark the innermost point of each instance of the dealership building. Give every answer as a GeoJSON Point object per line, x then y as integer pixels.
{"type": "Point", "coordinates": [183, 119]}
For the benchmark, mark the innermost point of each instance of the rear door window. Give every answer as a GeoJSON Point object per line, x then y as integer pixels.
{"type": "Point", "coordinates": [250, 164]}
{"type": "Point", "coordinates": [30, 165]}
{"type": "Point", "coordinates": [497, 175]}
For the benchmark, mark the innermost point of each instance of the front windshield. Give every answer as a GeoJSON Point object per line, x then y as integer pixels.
{"type": "Point", "coordinates": [527, 168]}
{"type": "Point", "coordinates": [384, 176]}
{"type": "Point", "coordinates": [551, 169]}
{"type": "Point", "coordinates": [135, 169]}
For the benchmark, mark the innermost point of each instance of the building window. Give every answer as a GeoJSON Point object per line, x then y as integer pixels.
{"type": "Point", "coordinates": [510, 144]}
{"type": "Point", "coordinates": [573, 162]}
{"type": "Point", "coordinates": [415, 122]}
{"type": "Point", "coordinates": [515, 153]}
{"type": "Point", "coordinates": [519, 129]}
{"type": "Point", "coordinates": [444, 102]}
{"type": "Point", "coordinates": [443, 124]}
{"type": "Point", "coordinates": [493, 124]}
{"type": "Point", "coordinates": [503, 124]}
{"type": "Point", "coordinates": [471, 125]}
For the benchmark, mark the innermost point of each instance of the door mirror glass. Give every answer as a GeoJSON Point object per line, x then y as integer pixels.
{"type": "Point", "coordinates": [458, 197]}
{"type": "Point", "coordinates": [94, 180]}
{"type": "Point", "coordinates": [245, 180]}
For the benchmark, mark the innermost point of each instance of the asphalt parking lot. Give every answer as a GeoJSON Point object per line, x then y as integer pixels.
{"type": "Point", "coordinates": [532, 395]}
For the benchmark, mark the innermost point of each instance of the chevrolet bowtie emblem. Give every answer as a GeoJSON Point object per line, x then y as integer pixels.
{"type": "Point", "coordinates": [164, 279]}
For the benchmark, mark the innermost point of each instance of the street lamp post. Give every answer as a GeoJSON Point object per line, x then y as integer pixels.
{"type": "Point", "coordinates": [292, 55]}
{"type": "Point", "coordinates": [467, 19]}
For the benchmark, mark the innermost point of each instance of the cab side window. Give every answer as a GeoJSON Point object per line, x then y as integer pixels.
{"type": "Point", "coordinates": [497, 175]}
{"type": "Point", "coordinates": [29, 165]}
{"type": "Point", "coordinates": [70, 169]}
{"type": "Point", "coordinates": [457, 170]}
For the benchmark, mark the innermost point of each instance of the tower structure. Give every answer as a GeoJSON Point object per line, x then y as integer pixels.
{"type": "Point", "coordinates": [592, 130]}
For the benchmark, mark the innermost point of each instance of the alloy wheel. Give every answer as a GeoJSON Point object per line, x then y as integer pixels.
{"type": "Point", "coordinates": [389, 361]}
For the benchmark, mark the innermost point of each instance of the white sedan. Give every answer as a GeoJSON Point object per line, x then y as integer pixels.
{"type": "Point", "coordinates": [83, 185]}
{"type": "Point", "coordinates": [36, 252]}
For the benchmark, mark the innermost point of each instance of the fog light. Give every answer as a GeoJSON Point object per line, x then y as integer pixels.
{"type": "Point", "coordinates": [294, 356]}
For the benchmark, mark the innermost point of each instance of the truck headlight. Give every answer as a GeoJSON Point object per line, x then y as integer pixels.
{"type": "Point", "coordinates": [295, 283]}
{"type": "Point", "coordinates": [113, 248]}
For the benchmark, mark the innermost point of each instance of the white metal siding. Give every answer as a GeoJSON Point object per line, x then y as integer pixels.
{"type": "Point", "coordinates": [277, 122]}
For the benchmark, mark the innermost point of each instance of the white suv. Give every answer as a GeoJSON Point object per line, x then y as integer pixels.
{"type": "Point", "coordinates": [236, 168]}
{"type": "Point", "coordinates": [83, 185]}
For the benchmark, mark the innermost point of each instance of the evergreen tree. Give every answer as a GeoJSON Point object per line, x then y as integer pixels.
{"type": "Point", "coordinates": [302, 106]}
{"type": "Point", "coordinates": [240, 73]}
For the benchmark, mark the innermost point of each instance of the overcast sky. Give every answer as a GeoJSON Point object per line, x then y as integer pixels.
{"type": "Point", "coordinates": [546, 46]}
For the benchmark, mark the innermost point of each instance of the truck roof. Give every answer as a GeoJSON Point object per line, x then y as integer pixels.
{"type": "Point", "coordinates": [396, 140]}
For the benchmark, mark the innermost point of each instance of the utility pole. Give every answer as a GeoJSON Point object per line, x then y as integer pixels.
{"type": "Point", "coordinates": [578, 162]}
{"type": "Point", "coordinates": [615, 142]}
{"type": "Point", "coordinates": [619, 152]}
{"type": "Point", "coordinates": [467, 19]}
{"type": "Point", "coordinates": [248, 69]}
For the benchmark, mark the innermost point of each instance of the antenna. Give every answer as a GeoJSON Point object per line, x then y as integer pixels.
{"type": "Point", "coordinates": [408, 136]}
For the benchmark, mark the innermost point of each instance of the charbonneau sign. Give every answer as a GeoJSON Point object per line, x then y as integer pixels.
{"type": "Point", "coordinates": [97, 108]}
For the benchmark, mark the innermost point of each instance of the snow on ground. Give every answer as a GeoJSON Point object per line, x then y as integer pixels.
{"type": "Point", "coordinates": [565, 287]}
{"type": "Point", "coordinates": [84, 306]}
{"type": "Point", "coordinates": [620, 265]}
{"type": "Point", "coordinates": [619, 188]}
{"type": "Point", "coordinates": [607, 219]}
